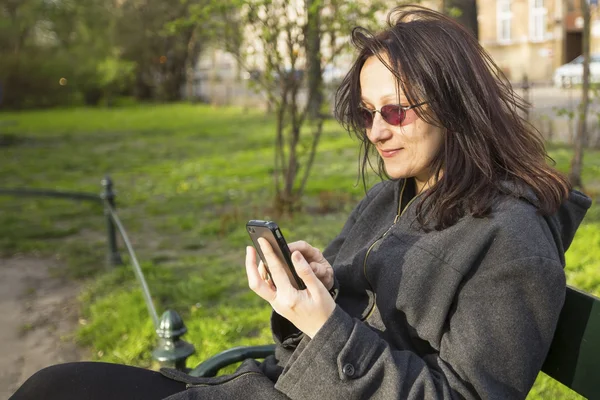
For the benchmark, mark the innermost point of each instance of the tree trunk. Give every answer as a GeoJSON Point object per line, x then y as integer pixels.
{"type": "Point", "coordinates": [468, 16]}
{"type": "Point", "coordinates": [312, 38]}
{"type": "Point", "coordinates": [581, 134]}
{"type": "Point", "coordinates": [190, 68]}
{"type": "Point", "coordinates": [468, 13]}
{"type": "Point", "coordinates": [142, 91]}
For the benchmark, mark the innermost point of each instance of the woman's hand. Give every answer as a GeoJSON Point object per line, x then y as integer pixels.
{"type": "Point", "coordinates": [318, 263]}
{"type": "Point", "coordinates": [307, 309]}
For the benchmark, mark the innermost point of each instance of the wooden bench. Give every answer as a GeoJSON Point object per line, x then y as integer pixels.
{"type": "Point", "coordinates": [573, 359]}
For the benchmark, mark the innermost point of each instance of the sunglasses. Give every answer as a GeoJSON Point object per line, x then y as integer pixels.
{"type": "Point", "coordinates": [393, 114]}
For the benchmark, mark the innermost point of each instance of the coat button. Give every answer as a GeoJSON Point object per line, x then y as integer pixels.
{"type": "Point", "coordinates": [348, 370]}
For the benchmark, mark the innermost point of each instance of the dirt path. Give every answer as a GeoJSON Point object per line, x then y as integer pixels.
{"type": "Point", "coordinates": [38, 315]}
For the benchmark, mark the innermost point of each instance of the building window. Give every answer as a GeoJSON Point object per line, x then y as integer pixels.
{"type": "Point", "coordinates": [537, 20]}
{"type": "Point", "coordinates": [503, 20]}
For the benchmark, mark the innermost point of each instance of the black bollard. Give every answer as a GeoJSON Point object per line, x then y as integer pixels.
{"type": "Point", "coordinates": [172, 352]}
{"type": "Point", "coordinates": [113, 257]}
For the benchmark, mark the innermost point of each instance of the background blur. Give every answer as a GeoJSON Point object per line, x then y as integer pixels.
{"type": "Point", "coordinates": [205, 114]}
{"type": "Point", "coordinates": [95, 52]}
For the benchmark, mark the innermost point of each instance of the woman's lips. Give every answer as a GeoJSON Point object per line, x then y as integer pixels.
{"type": "Point", "coordinates": [389, 153]}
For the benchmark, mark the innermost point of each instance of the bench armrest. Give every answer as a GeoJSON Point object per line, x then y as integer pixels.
{"type": "Point", "coordinates": [211, 366]}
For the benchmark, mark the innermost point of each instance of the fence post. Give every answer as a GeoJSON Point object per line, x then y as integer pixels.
{"type": "Point", "coordinates": [172, 352]}
{"type": "Point", "coordinates": [113, 257]}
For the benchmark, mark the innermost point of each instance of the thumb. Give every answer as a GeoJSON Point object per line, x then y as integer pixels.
{"type": "Point", "coordinates": [304, 271]}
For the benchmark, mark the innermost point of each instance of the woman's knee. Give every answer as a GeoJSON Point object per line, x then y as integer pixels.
{"type": "Point", "coordinates": [51, 381]}
{"type": "Point", "coordinates": [96, 380]}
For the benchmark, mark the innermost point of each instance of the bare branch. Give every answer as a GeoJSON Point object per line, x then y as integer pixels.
{"type": "Point", "coordinates": [311, 157]}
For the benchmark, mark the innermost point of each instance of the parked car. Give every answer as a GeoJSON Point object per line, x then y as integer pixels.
{"type": "Point", "coordinates": [572, 72]}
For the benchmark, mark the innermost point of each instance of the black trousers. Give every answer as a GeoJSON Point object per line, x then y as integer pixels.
{"type": "Point", "coordinates": [95, 381]}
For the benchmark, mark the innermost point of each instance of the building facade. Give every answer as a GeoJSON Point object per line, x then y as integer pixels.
{"type": "Point", "coordinates": [534, 37]}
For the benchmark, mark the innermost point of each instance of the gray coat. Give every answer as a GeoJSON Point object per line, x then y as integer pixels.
{"type": "Point", "coordinates": [466, 312]}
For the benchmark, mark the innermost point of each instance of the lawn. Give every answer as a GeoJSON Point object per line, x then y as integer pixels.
{"type": "Point", "coordinates": [187, 179]}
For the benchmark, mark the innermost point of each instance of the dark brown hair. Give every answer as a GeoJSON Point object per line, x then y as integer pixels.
{"type": "Point", "coordinates": [486, 140]}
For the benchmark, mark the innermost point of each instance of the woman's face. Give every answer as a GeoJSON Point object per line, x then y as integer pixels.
{"type": "Point", "coordinates": [407, 150]}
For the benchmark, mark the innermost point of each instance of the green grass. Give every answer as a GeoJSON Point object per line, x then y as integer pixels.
{"type": "Point", "coordinates": [187, 179]}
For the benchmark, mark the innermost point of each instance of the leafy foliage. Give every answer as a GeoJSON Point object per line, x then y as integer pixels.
{"type": "Point", "coordinates": [66, 52]}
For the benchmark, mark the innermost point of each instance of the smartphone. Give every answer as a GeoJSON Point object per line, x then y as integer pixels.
{"type": "Point", "coordinates": [271, 232]}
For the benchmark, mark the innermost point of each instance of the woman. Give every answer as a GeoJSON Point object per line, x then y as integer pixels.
{"type": "Point", "coordinates": [447, 279]}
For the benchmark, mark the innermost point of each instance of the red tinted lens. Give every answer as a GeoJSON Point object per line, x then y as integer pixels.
{"type": "Point", "coordinates": [367, 117]}
{"type": "Point", "coordinates": [393, 114]}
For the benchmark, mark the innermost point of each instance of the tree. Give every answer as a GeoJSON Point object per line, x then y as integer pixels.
{"type": "Point", "coordinates": [160, 52]}
{"type": "Point", "coordinates": [292, 43]}
{"type": "Point", "coordinates": [468, 14]}
{"type": "Point", "coordinates": [210, 22]}
{"type": "Point", "coordinates": [312, 40]}
{"type": "Point", "coordinates": [463, 11]}
{"type": "Point", "coordinates": [56, 51]}
{"type": "Point", "coordinates": [292, 39]}
{"type": "Point", "coordinates": [33, 56]}
{"type": "Point", "coordinates": [86, 31]}
{"type": "Point", "coordinates": [581, 134]}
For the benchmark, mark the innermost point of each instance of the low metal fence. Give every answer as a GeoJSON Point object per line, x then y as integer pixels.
{"type": "Point", "coordinates": [171, 350]}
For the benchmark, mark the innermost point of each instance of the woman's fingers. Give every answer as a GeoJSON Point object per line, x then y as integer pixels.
{"type": "Point", "coordinates": [261, 287]}
{"type": "Point", "coordinates": [276, 267]}
{"type": "Point", "coordinates": [306, 273]}
{"type": "Point", "coordinates": [264, 274]}
{"type": "Point", "coordinates": [318, 269]}
{"type": "Point", "coordinates": [309, 252]}
{"type": "Point", "coordinates": [307, 309]}
{"type": "Point", "coordinates": [262, 271]}
{"type": "Point", "coordinates": [279, 275]}
{"type": "Point", "coordinates": [318, 263]}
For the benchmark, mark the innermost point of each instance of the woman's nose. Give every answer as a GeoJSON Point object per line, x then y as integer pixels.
{"type": "Point", "coordinates": [380, 130]}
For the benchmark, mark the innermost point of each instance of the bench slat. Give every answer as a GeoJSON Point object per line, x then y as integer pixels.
{"type": "Point", "coordinates": [574, 356]}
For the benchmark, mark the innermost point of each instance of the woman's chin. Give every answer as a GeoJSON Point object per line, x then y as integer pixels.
{"type": "Point", "coordinates": [395, 173]}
